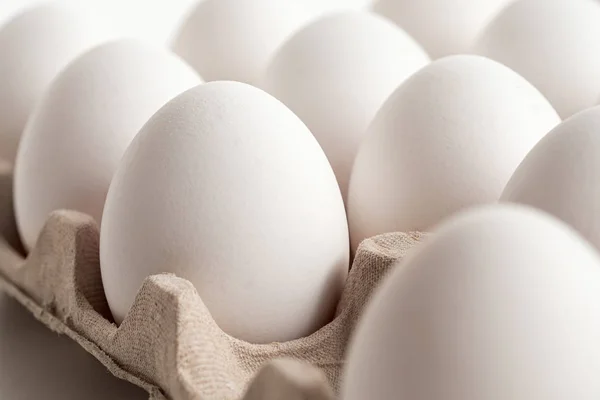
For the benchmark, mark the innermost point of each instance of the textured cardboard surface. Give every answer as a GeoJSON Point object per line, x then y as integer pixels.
{"type": "Point", "coordinates": [169, 344]}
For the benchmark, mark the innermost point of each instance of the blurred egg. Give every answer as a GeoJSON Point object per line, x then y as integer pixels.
{"type": "Point", "coordinates": [443, 27]}
{"type": "Point", "coordinates": [561, 174]}
{"type": "Point", "coordinates": [555, 44]}
{"type": "Point", "coordinates": [449, 137]}
{"type": "Point", "coordinates": [327, 6]}
{"type": "Point", "coordinates": [336, 73]}
{"type": "Point", "coordinates": [153, 22]}
{"type": "Point", "coordinates": [226, 187]}
{"type": "Point", "coordinates": [35, 46]}
{"type": "Point", "coordinates": [501, 302]}
{"type": "Point", "coordinates": [11, 8]}
{"type": "Point", "coordinates": [234, 39]}
{"type": "Point", "coordinates": [82, 126]}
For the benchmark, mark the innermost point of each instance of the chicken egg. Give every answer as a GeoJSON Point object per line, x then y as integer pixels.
{"type": "Point", "coordinates": [500, 302]}
{"type": "Point", "coordinates": [81, 127]}
{"type": "Point", "coordinates": [561, 174]}
{"type": "Point", "coordinates": [443, 27]}
{"type": "Point", "coordinates": [555, 44]}
{"type": "Point", "coordinates": [35, 45]}
{"type": "Point", "coordinates": [448, 138]}
{"type": "Point", "coordinates": [234, 39]}
{"type": "Point", "coordinates": [336, 73]}
{"type": "Point", "coordinates": [227, 188]}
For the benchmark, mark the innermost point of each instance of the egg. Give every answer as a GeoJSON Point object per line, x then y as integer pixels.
{"type": "Point", "coordinates": [153, 22]}
{"type": "Point", "coordinates": [443, 27]}
{"type": "Point", "coordinates": [448, 138]}
{"type": "Point", "coordinates": [81, 127]}
{"type": "Point", "coordinates": [35, 45]}
{"type": "Point", "coordinates": [336, 73]}
{"type": "Point", "coordinates": [10, 8]}
{"type": "Point", "coordinates": [500, 302]}
{"type": "Point", "coordinates": [327, 6]}
{"type": "Point", "coordinates": [227, 188]}
{"type": "Point", "coordinates": [36, 363]}
{"type": "Point", "coordinates": [234, 39]}
{"type": "Point", "coordinates": [555, 44]}
{"type": "Point", "coordinates": [561, 174]}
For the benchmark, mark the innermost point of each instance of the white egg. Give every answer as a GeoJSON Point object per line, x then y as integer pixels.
{"type": "Point", "coordinates": [153, 22]}
{"type": "Point", "coordinates": [336, 73]}
{"type": "Point", "coordinates": [11, 8]}
{"type": "Point", "coordinates": [83, 124]}
{"type": "Point", "coordinates": [36, 363]}
{"type": "Point", "coordinates": [225, 186]}
{"type": "Point", "coordinates": [234, 39]}
{"type": "Point", "coordinates": [443, 27]}
{"type": "Point", "coordinates": [561, 174]}
{"type": "Point", "coordinates": [327, 6]}
{"type": "Point", "coordinates": [555, 44]}
{"type": "Point", "coordinates": [501, 302]}
{"type": "Point", "coordinates": [449, 137]}
{"type": "Point", "coordinates": [35, 46]}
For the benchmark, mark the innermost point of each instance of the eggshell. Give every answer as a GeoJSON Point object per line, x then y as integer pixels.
{"type": "Point", "coordinates": [82, 126]}
{"type": "Point", "coordinates": [555, 44]}
{"type": "Point", "coordinates": [328, 6]}
{"type": "Point", "coordinates": [336, 73]}
{"type": "Point", "coordinates": [151, 21]}
{"type": "Point", "coordinates": [234, 39]}
{"type": "Point", "coordinates": [225, 187]}
{"type": "Point", "coordinates": [501, 302]}
{"type": "Point", "coordinates": [443, 27]}
{"type": "Point", "coordinates": [35, 46]}
{"type": "Point", "coordinates": [449, 137]}
{"type": "Point", "coordinates": [11, 8]}
{"type": "Point", "coordinates": [36, 363]}
{"type": "Point", "coordinates": [561, 174]}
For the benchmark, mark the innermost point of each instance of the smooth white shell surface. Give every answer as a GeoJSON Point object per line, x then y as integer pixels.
{"type": "Point", "coordinates": [328, 6]}
{"type": "Point", "coordinates": [227, 188]}
{"type": "Point", "coordinates": [234, 39]}
{"type": "Point", "coordinates": [443, 27]}
{"type": "Point", "coordinates": [79, 131]}
{"type": "Point", "coordinates": [152, 21]}
{"type": "Point", "coordinates": [336, 73]}
{"type": "Point", "coordinates": [561, 174]}
{"type": "Point", "coordinates": [35, 46]}
{"type": "Point", "coordinates": [555, 44]}
{"type": "Point", "coordinates": [501, 302]}
{"type": "Point", "coordinates": [449, 137]}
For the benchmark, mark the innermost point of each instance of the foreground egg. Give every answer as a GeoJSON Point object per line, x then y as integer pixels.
{"type": "Point", "coordinates": [449, 137]}
{"type": "Point", "coordinates": [555, 44]}
{"type": "Point", "coordinates": [234, 39]}
{"type": "Point", "coordinates": [501, 302]}
{"type": "Point", "coordinates": [83, 124]}
{"type": "Point", "coordinates": [443, 27]}
{"type": "Point", "coordinates": [226, 187]}
{"type": "Point", "coordinates": [336, 73]}
{"type": "Point", "coordinates": [561, 174]}
{"type": "Point", "coordinates": [35, 46]}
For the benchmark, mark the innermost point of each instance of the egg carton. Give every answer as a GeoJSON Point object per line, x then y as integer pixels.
{"type": "Point", "coordinates": [169, 344]}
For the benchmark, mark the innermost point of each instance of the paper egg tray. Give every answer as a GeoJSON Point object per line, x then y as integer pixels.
{"type": "Point", "coordinates": [168, 344]}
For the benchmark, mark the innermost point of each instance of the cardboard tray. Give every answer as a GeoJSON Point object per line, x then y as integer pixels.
{"type": "Point", "coordinates": [169, 344]}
